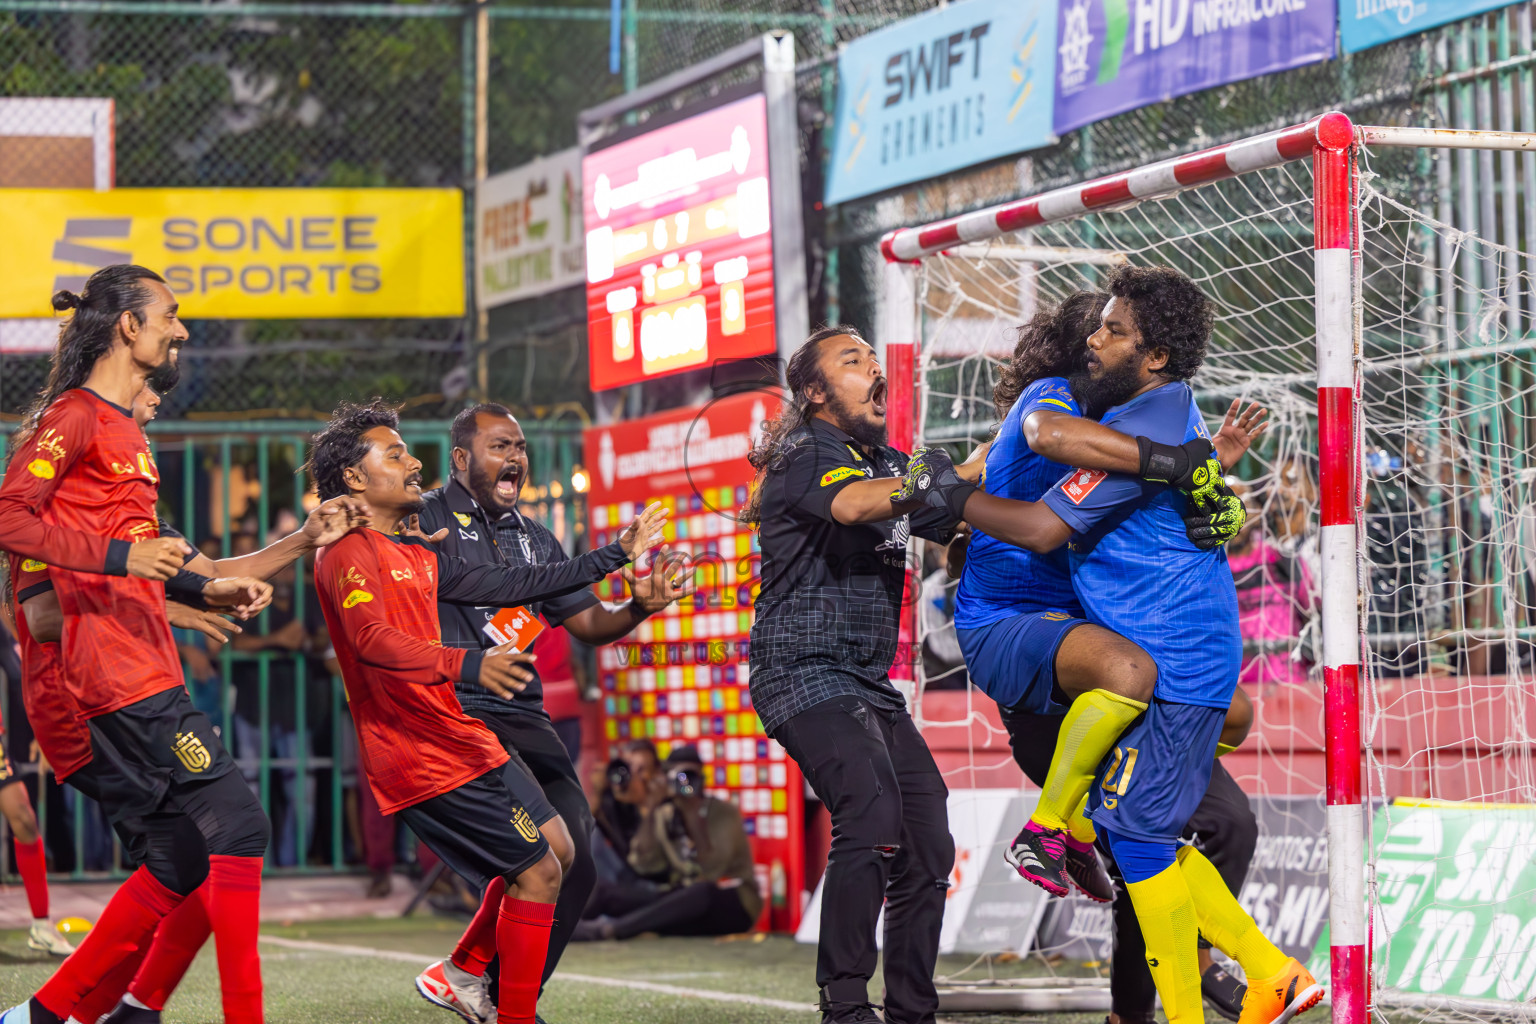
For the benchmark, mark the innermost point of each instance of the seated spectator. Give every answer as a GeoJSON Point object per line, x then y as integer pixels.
{"type": "Point", "coordinates": [1274, 595]}
{"type": "Point", "coordinates": [617, 816]}
{"type": "Point", "coordinates": [699, 844]}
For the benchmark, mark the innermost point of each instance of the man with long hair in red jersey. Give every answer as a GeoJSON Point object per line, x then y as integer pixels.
{"type": "Point", "coordinates": [442, 771]}
{"type": "Point", "coordinates": [79, 495]}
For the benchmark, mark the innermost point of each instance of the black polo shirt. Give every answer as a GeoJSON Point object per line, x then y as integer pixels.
{"type": "Point", "coordinates": [513, 539]}
{"type": "Point", "coordinates": [827, 612]}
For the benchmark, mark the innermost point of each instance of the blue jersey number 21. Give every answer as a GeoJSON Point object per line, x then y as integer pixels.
{"type": "Point", "coordinates": [1113, 790]}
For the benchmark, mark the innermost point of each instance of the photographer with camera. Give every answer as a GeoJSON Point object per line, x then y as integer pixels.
{"type": "Point", "coordinates": [698, 843]}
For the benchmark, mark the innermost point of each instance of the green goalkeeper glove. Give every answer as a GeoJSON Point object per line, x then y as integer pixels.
{"type": "Point", "coordinates": [1216, 517]}
{"type": "Point", "coordinates": [931, 479]}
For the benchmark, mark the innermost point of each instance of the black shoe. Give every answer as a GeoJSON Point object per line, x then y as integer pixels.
{"type": "Point", "coordinates": [1083, 867]}
{"type": "Point", "coordinates": [126, 1013]}
{"type": "Point", "coordinates": [1223, 992]}
{"type": "Point", "coordinates": [848, 1013]}
{"type": "Point", "coordinates": [1039, 855]}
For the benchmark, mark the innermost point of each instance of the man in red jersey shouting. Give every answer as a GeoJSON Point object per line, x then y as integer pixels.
{"type": "Point", "coordinates": [79, 494]}
{"type": "Point", "coordinates": [440, 769]}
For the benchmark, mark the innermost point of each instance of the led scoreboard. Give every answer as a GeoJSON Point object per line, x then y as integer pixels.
{"type": "Point", "coordinates": [681, 676]}
{"type": "Point", "coordinates": [680, 250]}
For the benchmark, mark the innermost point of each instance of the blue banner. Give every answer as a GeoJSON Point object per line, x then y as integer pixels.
{"type": "Point", "coordinates": [1117, 55]}
{"type": "Point", "coordinates": [1367, 23]}
{"type": "Point", "coordinates": [957, 86]}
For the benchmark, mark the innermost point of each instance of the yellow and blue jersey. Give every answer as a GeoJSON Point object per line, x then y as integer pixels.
{"type": "Point", "coordinates": [1001, 580]}
{"type": "Point", "coordinates": [1136, 572]}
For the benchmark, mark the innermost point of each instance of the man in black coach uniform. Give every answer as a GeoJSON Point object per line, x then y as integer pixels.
{"type": "Point", "coordinates": [477, 517]}
{"type": "Point", "coordinates": [834, 556]}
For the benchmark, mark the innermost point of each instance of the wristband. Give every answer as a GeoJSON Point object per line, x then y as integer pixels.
{"type": "Point", "coordinates": [187, 587]}
{"type": "Point", "coordinates": [1165, 462]}
{"type": "Point", "coordinates": [956, 497]}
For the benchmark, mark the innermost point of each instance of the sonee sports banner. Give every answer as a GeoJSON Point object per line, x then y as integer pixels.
{"type": "Point", "coordinates": [260, 253]}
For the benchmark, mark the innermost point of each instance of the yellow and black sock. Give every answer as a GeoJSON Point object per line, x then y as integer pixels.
{"type": "Point", "coordinates": [1095, 721]}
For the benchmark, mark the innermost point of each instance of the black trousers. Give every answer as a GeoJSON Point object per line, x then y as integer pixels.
{"type": "Point", "coordinates": [890, 843]}
{"type": "Point", "coordinates": [702, 908]}
{"type": "Point", "coordinates": [1223, 828]}
{"type": "Point", "coordinates": [533, 738]}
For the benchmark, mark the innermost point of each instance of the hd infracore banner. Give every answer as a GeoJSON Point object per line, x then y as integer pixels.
{"type": "Point", "coordinates": [1117, 55]}
{"type": "Point", "coordinates": [957, 86]}
{"type": "Point", "coordinates": [243, 253]}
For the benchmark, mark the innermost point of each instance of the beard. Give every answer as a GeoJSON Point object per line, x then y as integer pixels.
{"type": "Point", "coordinates": [482, 487]}
{"type": "Point", "coordinates": [852, 423]}
{"type": "Point", "coordinates": [164, 378]}
{"type": "Point", "coordinates": [1111, 389]}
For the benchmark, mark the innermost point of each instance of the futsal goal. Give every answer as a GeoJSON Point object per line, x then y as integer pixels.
{"type": "Point", "coordinates": [1375, 288]}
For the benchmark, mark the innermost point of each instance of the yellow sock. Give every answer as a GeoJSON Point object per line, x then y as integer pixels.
{"type": "Point", "coordinates": [1224, 922]}
{"type": "Point", "coordinates": [1166, 913]}
{"type": "Point", "coordinates": [1223, 749]}
{"type": "Point", "coordinates": [1081, 828]}
{"type": "Point", "coordinates": [1095, 721]}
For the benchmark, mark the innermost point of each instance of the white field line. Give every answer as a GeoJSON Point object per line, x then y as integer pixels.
{"type": "Point", "coordinates": [585, 979]}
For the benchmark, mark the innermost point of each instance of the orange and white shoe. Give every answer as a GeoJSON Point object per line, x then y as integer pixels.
{"type": "Point", "coordinates": [1278, 999]}
{"type": "Point", "coordinates": [445, 985]}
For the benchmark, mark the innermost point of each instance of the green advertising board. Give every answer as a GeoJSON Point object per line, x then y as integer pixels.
{"type": "Point", "coordinates": [1456, 890]}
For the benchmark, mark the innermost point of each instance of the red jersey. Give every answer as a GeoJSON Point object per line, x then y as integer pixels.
{"type": "Point", "coordinates": [57, 724]}
{"type": "Point", "coordinates": [379, 597]}
{"type": "Point", "coordinates": [76, 495]}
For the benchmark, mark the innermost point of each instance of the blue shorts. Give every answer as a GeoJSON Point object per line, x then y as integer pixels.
{"type": "Point", "coordinates": [1151, 783]}
{"type": "Point", "coordinates": [1013, 660]}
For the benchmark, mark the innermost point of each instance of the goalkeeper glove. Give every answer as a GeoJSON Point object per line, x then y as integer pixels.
{"type": "Point", "coordinates": [931, 479]}
{"type": "Point", "coordinates": [1216, 518]}
{"type": "Point", "coordinates": [1189, 466]}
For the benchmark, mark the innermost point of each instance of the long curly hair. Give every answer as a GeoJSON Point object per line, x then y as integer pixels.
{"type": "Point", "coordinates": [1170, 311]}
{"type": "Point", "coordinates": [87, 335]}
{"type": "Point", "coordinates": [801, 375]}
{"type": "Point", "coordinates": [1052, 344]}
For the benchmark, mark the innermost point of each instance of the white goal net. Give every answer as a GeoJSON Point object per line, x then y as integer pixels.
{"type": "Point", "coordinates": [1446, 308]}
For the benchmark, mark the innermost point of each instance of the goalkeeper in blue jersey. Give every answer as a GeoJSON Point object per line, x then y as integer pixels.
{"type": "Point", "coordinates": [1137, 574]}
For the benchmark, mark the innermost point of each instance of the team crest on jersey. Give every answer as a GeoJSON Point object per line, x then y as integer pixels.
{"type": "Point", "coordinates": [33, 565]}
{"type": "Point", "coordinates": [191, 752]}
{"type": "Point", "coordinates": [832, 476]}
{"type": "Point", "coordinates": [524, 825]}
{"type": "Point", "coordinates": [356, 598]}
{"type": "Point", "coordinates": [462, 518]}
{"type": "Point", "coordinates": [1082, 483]}
{"type": "Point", "coordinates": [1056, 616]}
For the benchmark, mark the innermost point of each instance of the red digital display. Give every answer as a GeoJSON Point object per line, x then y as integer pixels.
{"type": "Point", "coordinates": [679, 246]}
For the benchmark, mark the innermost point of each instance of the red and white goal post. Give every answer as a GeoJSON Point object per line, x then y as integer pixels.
{"type": "Point", "coordinates": [1380, 303]}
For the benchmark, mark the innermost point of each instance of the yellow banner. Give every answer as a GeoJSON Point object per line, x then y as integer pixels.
{"type": "Point", "coordinates": [237, 253]}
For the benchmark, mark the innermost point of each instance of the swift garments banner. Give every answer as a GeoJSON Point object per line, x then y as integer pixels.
{"type": "Point", "coordinates": [264, 253]}
{"type": "Point", "coordinates": [1117, 55]}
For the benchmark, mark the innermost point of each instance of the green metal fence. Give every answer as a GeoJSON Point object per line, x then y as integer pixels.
{"type": "Point", "coordinates": [233, 486]}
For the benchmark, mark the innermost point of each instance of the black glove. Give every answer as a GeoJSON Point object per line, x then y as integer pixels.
{"type": "Point", "coordinates": [1214, 518]}
{"type": "Point", "coordinates": [932, 480]}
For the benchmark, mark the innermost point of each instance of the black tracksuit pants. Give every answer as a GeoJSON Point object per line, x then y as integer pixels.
{"type": "Point", "coordinates": [890, 844]}
{"type": "Point", "coordinates": [1223, 828]}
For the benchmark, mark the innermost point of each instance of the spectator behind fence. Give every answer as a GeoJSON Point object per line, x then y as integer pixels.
{"type": "Point", "coordinates": [700, 845]}
{"type": "Point", "coordinates": [1274, 597]}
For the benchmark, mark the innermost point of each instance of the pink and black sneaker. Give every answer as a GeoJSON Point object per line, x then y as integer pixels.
{"type": "Point", "coordinates": [1039, 855]}
{"type": "Point", "coordinates": [1086, 871]}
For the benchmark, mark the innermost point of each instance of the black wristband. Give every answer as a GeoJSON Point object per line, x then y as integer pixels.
{"type": "Point", "coordinates": [956, 497]}
{"type": "Point", "coordinates": [1165, 462]}
{"type": "Point", "coordinates": [187, 587]}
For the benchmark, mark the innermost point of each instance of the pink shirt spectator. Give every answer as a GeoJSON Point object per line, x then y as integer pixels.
{"type": "Point", "coordinates": [1274, 593]}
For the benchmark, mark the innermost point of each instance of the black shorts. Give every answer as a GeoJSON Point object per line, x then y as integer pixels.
{"type": "Point", "coordinates": [139, 753]}
{"type": "Point", "coordinates": [538, 757]}
{"type": "Point", "coordinates": [479, 830]}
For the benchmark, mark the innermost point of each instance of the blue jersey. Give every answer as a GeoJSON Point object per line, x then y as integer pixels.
{"type": "Point", "coordinates": [1001, 580]}
{"type": "Point", "coordinates": [1137, 573]}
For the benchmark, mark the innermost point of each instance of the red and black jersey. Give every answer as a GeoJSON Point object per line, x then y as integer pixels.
{"type": "Point", "coordinates": [76, 495]}
{"type": "Point", "coordinates": [379, 596]}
